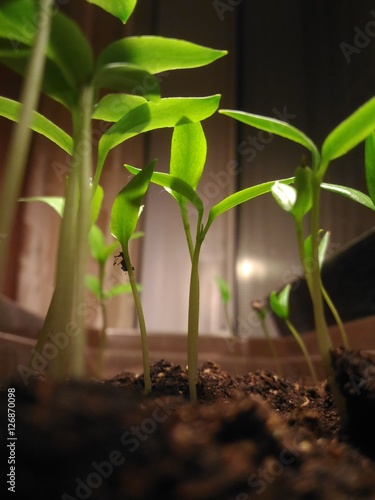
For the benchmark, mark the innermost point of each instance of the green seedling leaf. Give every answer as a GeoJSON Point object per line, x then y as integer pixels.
{"type": "Point", "coordinates": [11, 29]}
{"type": "Point", "coordinates": [241, 197]}
{"type": "Point", "coordinates": [100, 251]}
{"type": "Point", "coordinates": [173, 185]}
{"type": "Point", "coordinates": [55, 202]}
{"type": "Point", "coordinates": [122, 9]}
{"type": "Point", "coordinates": [188, 153]}
{"type": "Point", "coordinates": [93, 284]}
{"type": "Point", "coordinates": [280, 302]}
{"type": "Point", "coordinates": [113, 107]}
{"type": "Point", "coordinates": [349, 133]}
{"type": "Point", "coordinates": [150, 116]}
{"type": "Point", "coordinates": [120, 289]}
{"type": "Point", "coordinates": [11, 109]}
{"type": "Point", "coordinates": [96, 204]}
{"type": "Point", "coordinates": [127, 205]}
{"type": "Point", "coordinates": [224, 289]}
{"type": "Point", "coordinates": [304, 193]}
{"type": "Point", "coordinates": [123, 77]}
{"type": "Point", "coordinates": [322, 249]}
{"type": "Point", "coordinates": [274, 126]}
{"type": "Point", "coordinates": [285, 195]}
{"type": "Point", "coordinates": [156, 54]}
{"type": "Point", "coordinates": [370, 165]}
{"type": "Point", "coordinates": [352, 194]}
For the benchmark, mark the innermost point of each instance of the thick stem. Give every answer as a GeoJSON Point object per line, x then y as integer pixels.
{"type": "Point", "coordinates": [15, 162]}
{"type": "Point", "coordinates": [193, 322]}
{"type": "Point", "coordinates": [323, 338]}
{"type": "Point", "coordinates": [141, 321]}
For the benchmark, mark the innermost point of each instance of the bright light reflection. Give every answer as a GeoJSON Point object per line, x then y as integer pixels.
{"type": "Point", "coordinates": [245, 269]}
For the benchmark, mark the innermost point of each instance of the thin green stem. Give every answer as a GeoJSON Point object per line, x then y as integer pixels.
{"type": "Point", "coordinates": [193, 321]}
{"type": "Point", "coordinates": [141, 321]}
{"type": "Point", "coordinates": [336, 315]}
{"type": "Point", "coordinates": [303, 348]}
{"type": "Point", "coordinates": [271, 345]}
{"type": "Point", "coordinates": [15, 162]}
{"type": "Point", "coordinates": [187, 229]}
{"type": "Point", "coordinates": [103, 331]}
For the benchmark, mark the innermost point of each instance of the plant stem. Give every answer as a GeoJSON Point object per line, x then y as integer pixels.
{"type": "Point", "coordinates": [302, 346]}
{"type": "Point", "coordinates": [66, 312]}
{"type": "Point", "coordinates": [15, 162]}
{"type": "Point", "coordinates": [103, 331]}
{"type": "Point", "coordinates": [141, 321]}
{"type": "Point", "coordinates": [271, 345]}
{"type": "Point", "coordinates": [193, 321]}
{"type": "Point", "coordinates": [186, 224]}
{"type": "Point", "coordinates": [336, 315]}
{"type": "Point", "coordinates": [324, 341]}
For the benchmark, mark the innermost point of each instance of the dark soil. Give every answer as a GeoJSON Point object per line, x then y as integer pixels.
{"type": "Point", "coordinates": [252, 436]}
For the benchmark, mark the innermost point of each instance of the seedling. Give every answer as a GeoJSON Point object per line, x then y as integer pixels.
{"type": "Point", "coordinates": [279, 303]}
{"type": "Point", "coordinates": [351, 132]}
{"type": "Point", "coordinates": [188, 155]}
{"type": "Point", "coordinates": [76, 81]}
{"type": "Point", "coordinates": [125, 213]}
{"type": "Point", "coordinates": [261, 311]}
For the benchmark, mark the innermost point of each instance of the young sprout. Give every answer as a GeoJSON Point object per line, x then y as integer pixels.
{"type": "Point", "coordinates": [348, 134]}
{"type": "Point", "coordinates": [111, 89]}
{"type": "Point", "coordinates": [261, 310]}
{"type": "Point", "coordinates": [188, 154]}
{"type": "Point", "coordinates": [125, 213]}
{"type": "Point", "coordinates": [279, 303]}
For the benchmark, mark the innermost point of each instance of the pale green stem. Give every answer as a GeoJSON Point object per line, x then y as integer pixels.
{"type": "Point", "coordinates": [271, 345]}
{"type": "Point", "coordinates": [323, 338]}
{"type": "Point", "coordinates": [141, 321]}
{"type": "Point", "coordinates": [336, 315]}
{"type": "Point", "coordinates": [103, 331]}
{"type": "Point", "coordinates": [302, 346]}
{"type": "Point", "coordinates": [186, 224]}
{"type": "Point", "coordinates": [15, 162]}
{"type": "Point", "coordinates": [306, 271]}
{"type": "Point", "coordinates": [193, 322]}
{"type": "Point", "coordinates": [66, 312]}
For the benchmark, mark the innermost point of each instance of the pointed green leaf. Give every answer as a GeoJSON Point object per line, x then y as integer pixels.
{"type": "Point", "coordinates": [370, 165]}
{"type": "Point", "coordinates": [323, 247]}
{"type": "Point", "coordinates": [188, 153]}
{"type": "Point", "coordinates": [122, 9]}
{"type": "Point", "coordinates": [350, 132]}
{"type": "Point", "coordinates": [274, 126]}
{"type": "Point", "coordinates": [92, 283]}
{"type": "Point", "coordinates": [352, 194]}
{"type": "Point", "coordinates": [96, 204]}
{"type": "Point", "coordinates": [113, 107]}
{"type": "Point", "coordinates": [126, 207]}
{"type": "Point", "coordinates": [224, 289]}
{"type": "Point", "coordinates": [150, 116]}
{"type": "Point", "coordinates": [96, 243]}
{"type": "Point", "coordinates": [304, 192]}
{"type": "Point", "coordinates": [285, 195]}
{"type": "Point", "coordinates": [11, 109]}
{"type": "Point", "coordinates": [120, 289]}
{"type": "Point", "coordinates": [173, 185]}
{"type": "Point", "coordinates": [156, 54]}
{"type": "Point", "coordinates": [123, 77]}
{"type": "Point", "coordinates": [55, 202]}
{"type": "Point", "coordinates": [15, 22]}
{"type": "Point", "coordinates": [280, 302]}
{"type": "Point", "coordinates": [241, 197]}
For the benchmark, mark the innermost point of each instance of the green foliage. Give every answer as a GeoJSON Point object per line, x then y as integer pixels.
{"type": "Point", "coordinates": [118, 8]}
{"type": "Point", "coordinates": [279, 302]}
{"type": "Point", "coordinates": [225, 293]}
